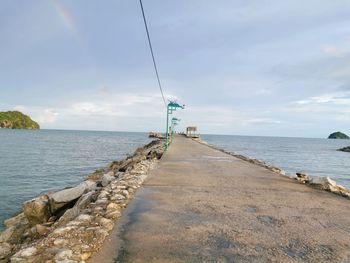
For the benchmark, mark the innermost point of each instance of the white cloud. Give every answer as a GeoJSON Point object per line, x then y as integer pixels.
{"type": "Point", "coordinates": [263, 121]}
{"type": "Point", "coordinates": [47, 116]}
{"type": "Point", "coordinates": [20, 108]}
{"type": "Point", "coordinates": [335, 51]}
{"type": "Point", "coordinates": [338, 98]}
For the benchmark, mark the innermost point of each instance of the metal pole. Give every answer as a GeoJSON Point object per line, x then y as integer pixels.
{"type": "Point", "coordinates": [167, 125]}
{"type": "Point", "coordinates": [172, 131]}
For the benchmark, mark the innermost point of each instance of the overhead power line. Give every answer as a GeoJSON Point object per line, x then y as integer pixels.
{"type": "Point", "coordinates": [151, 49]}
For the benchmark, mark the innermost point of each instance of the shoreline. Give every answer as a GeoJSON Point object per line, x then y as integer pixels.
{"type": "Point", "coordinates": [71, 224]}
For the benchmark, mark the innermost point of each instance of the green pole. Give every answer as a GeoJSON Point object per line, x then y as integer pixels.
{"type": "Point", "coordinates": [167, 129]}
{"type": "Point", "coordinates": [172, 106]}
{"type": "Point", "coordinates": [172, 131]}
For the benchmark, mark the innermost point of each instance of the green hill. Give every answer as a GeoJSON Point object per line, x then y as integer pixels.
{"type": "Point", "coordinates": [16, 120]}
{"type": "Point", "coordinates": [338, 135]}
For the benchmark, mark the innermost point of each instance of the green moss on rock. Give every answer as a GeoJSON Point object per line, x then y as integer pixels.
{"type": "Point", "coordinates": [16, 120]}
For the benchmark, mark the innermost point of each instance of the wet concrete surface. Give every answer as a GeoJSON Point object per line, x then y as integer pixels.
{"type": "Point", "coordinates": [201, 205]}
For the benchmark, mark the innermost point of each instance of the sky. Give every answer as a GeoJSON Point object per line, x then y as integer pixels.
{"type": "Point", "coordinates": [260, 67]}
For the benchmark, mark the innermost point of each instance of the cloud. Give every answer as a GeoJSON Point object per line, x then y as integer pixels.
{"type": "Point", "coordinates": [335, 51]}
{"type": "Point", "coordinates": [48, 116]}
{"type": "Point", "coordinates": [339, 98]}
{"type": "Point", "coordinates": [263, 121]}
{"type": "Point", "coordinates": [20, 108]}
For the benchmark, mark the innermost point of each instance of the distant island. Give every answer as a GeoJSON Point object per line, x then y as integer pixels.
{"type": "Point", "coordinates": [16, 120]}
{"type": "Point", "coordinates": [338, 135]}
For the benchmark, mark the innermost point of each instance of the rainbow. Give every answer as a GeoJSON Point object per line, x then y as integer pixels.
{"type": "Point", "coordinates": [67, 20]}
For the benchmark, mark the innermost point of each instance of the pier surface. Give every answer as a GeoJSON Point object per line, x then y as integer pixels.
{"type": "Point", "coordinates": [202, 205]}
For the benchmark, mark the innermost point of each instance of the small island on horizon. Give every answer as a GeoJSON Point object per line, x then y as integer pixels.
{"type": "Point", "coordinates": [17, 120]}
{"type": "Point", "coordinates": [338, 135]}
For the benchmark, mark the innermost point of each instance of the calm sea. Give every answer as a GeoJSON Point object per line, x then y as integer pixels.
{"type": "Point", "coordinates": [34, 162]}
{"type": "Point", "coordinates": [317, 157]}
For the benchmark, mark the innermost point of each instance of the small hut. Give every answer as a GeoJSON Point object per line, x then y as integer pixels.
{"type": "Point", "coordinates": [191, 131]}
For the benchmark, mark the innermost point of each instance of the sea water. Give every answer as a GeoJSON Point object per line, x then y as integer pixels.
{"type": "Point", "coordinates": [33, 162]}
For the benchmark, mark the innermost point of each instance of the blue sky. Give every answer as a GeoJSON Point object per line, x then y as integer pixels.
{"type": "Point", "coordinates": [260, 67]}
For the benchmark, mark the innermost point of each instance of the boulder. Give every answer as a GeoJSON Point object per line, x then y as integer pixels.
{"type": "Point", "coordinates": [14, 234]}
{"type": "Point", "coordinates": [62, 198]}
{"type": "Point", "coordinates": [37, 210]}
{"type": "Point", "coordinates": [107, 178]}
{"type": "Point", "coordinates": [73, 212]}
{"type": "Point", "coordinates": [5, 250]}
{"type": "Point", "coordinates": [42, 230]}
{"type": "Point", "coordinates": [302, 177]}
{"type": "Point", "coordinates": [324, 183]}
{"type": "Point", "coordinates": [16, 220]}
{"type": "Point", "coordinates": [24, 253]}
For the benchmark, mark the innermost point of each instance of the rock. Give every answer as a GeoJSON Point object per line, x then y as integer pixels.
{"type": "Point", "coordinates": [16, 220]}
{"type": "Point", "coordinates": [68, 215]}
{"type": "Point", "coordinates": [324, 183]}
{"type": "Point", "coordinates": [42, 230]}
{"type": "Point", "coordinates": [27, 252]}
{"type": "Point", "coordinates": [6, 234]}
{"type": "Point", "coordinates": [84, 218]}
{"type": "Point", "coordinates": [95, 176]}
{"type": "Point", "coordinates": [113, 214]}
{"type": "Point", "coordinates": [14, 234]}
{"type": "Point", "coordinates": [60, 242]}
{"type": "Point", "coordinates": [125, 193]}
{"type": "Point", "coordinates": [37, 210]}
{"type": "Point", "coordinates": [107, 178]}
{"type": "Point", "coordinates": [66, 196]}
{"type": "Point", "coordinates": [73, 212]}
{"type": "Point", "coordinates": [5, 250]}
{"type": "Point", "coordinates": [112, 207]}
{"type": "Point", "coordinates": [106, 223]}
{"type": "Point", "coordinates": [338, 135]}
{"type": "Point", "coordinates": [63, 230]}
{"type": "Point", "coordinates": [63, 254]}
{"type": "Point", "coordinates": [302, 177]}
{"type": "Point", "coordinates": [345, 149]}
{"type": "Point", "coordinates": [68, 261]}
{"type": "Point", "coordinates": [85, 256]}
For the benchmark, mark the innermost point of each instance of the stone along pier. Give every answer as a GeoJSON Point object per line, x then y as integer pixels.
{"type": "Point", "coordinates": [202, 205]}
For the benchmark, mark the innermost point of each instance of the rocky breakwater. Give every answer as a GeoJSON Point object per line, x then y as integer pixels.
{"type": "Point", "coordinates": [322, 183]}
{"type": "Point", "coordinates": [71, 224]}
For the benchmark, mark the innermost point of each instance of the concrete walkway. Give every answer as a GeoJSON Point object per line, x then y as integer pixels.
{"type": "Point", "coordinates": [201, 205]}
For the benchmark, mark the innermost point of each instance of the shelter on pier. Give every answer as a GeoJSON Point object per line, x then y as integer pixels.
{"type": "Point", "coordinates": [192, 132]}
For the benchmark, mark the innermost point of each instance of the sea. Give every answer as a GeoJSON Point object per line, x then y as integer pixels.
{"type": "Point", "coordinates": [33, 162]}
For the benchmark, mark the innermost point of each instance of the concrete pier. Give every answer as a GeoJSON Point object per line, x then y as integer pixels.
{"type": "Point", "coordinates": [202, 205]}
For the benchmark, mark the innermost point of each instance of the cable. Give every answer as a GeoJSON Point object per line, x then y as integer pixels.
{"type": "Point", "coordinates": [151, 49]}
